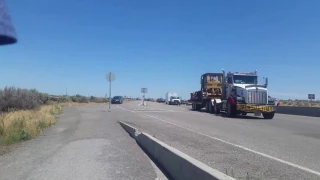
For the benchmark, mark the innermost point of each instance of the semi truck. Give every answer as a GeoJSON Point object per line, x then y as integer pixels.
{"type": "Point", "coordinates": [172, 98]}
{"type": "Point", "coordinates": [237, 93]}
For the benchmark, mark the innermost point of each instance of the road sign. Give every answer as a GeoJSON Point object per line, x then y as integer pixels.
{"type": "Point", "coordinates": [311, 96]}
{"type": "Point", "coordinates": [144, 90]}
{"type": "Point", "coordinates": [110, 77]}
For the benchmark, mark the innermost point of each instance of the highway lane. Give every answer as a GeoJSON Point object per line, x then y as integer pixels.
{"type": "Point", "coordinates": [86, 143]}
{"type": "Point", "coordinates": [286, 147]}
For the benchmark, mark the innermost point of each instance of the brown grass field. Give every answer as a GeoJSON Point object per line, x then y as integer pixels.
{"type": "Point", "coordinates": [26, 124]}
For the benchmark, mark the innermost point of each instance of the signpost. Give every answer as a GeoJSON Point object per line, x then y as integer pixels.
{"type": "Point", "coordinates": [110, 77]}
{"type": "Point", "coordinates": [144, 91]}
{"type": "Point", "coordinates": [311, 96]}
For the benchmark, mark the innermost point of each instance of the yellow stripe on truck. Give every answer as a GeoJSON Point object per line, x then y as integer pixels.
{"type": "Point", "coordinates": [252, 108]}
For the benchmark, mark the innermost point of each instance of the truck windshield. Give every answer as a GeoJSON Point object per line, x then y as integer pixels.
{"type": "Point", "coordinates": [245, 79]}
{"type": "Point", "coordinates": [173, 97]}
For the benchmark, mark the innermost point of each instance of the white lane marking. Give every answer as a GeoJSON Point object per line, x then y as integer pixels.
{"type": "Point", "coordinates": [125, 109]}
{"type": "Point", "coordinates": [147, 108]}
{"type": "Point", "coordinates": [141, 109]}
{"type": "Point", "coordinates": [242, 147]}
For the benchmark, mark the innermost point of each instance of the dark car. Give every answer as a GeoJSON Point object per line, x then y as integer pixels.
{"type": "Point", "coordinates": [117, 100]}
{"type": "Point", "coordinates": [161, 100]}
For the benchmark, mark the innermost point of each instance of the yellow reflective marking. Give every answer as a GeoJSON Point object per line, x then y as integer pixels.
{"type": "Point", "coordinates": [251, 108]}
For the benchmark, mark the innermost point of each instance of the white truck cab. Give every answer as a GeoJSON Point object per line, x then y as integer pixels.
{"type": "Point", "coordinates": [172, 98]}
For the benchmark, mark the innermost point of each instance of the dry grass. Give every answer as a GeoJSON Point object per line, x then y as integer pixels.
{"type": "Point", "coordinates": [299, 103]}
{"type": "Point", "coordinates": [26, 124]}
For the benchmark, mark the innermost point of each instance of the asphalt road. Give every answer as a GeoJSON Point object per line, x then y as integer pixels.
{"type": "Point", "coordinates": [286, 147]}
{"type": "Point", "coordinates": [86, 143]}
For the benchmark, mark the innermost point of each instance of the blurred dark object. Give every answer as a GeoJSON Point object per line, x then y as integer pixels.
{"type": "Point", "coordinates": [7, 31]}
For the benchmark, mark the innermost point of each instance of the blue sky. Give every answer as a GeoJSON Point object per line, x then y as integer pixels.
{"type": "Point", "coordinates": [162, 45]}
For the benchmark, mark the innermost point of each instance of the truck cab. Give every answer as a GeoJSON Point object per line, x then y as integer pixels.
{"type": "Point", "coordinates": [175, 100]}
{"type": "Point", "coordinates": [172, 98]}
{"type": "Point", "coordinates": [242, 95]}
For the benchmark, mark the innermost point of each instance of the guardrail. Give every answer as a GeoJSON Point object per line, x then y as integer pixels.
{"type": "Point", "coordinates": [174, 162]}
{"type": "Point", "coordinates": [302, 111]}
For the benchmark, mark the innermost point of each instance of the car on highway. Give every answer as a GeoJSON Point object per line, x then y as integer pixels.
{"type": "Point", "coordinates": [183, 101]}
{"type": "Point", "coordinates": [160, 100]}
{"type": "Point", "coordinates": [117, 100]}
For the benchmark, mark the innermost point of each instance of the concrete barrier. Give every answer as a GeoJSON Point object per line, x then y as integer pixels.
{"type": "Point", "coordinates": [177, 164]}
{"type": "Point", "coordinates": [302, 111]}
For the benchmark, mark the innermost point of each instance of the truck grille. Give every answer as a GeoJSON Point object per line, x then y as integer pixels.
{"type": "Point", "coordinates": [257, 97]}
{"type": "Point", "coordinates": [176, 101]}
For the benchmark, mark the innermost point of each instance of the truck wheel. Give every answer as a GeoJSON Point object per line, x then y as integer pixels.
{"type": "Point", "coordinates": [268, 115]}
{"type": "Point", "coordinates": [211, 108]}
{"type": "Point", "coordinates": [208, 106]}
{"type": "Point", "coordinates": [198, 107]}
{"type": "Point", "coordinates": [216, 108]}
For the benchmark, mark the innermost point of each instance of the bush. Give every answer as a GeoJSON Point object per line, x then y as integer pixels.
{"type": "Point", "coordinates": [290, 103]}
{"type": "Point", "coordinates": [63, 99]}
{"type": "Point", "coordinates": [79, 99]}
{"type": "Point", "coordinates": [98, 100]}
{"type": "Point", "coordinates": [44, 97]}
{"type": "Point", "coordinates": [12, 98]}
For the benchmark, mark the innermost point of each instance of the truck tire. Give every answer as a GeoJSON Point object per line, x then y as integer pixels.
{"type": "Point", "coordinates": [208, 104]}
{"type": "Point", "coordinates": [198, 107]}
{"type": "Point", "coordinates": [216, 108]}
{"type": "Point", "coordinates": [211, 108]}
{"type": "Point", "coordinates": [268, 115]}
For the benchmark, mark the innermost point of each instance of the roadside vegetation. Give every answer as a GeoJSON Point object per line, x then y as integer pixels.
{"type": "Point", "coordinates": [300, 103]}
{"type": "Point", "coordinates": [25, 113]}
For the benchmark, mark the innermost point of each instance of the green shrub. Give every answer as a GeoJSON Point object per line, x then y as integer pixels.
{"type": "Point", "coordinates": [79, 99]}
{"type": "Point", "coordinates": [44, 97]}
{"type": "Point", "coordinates": [64, 99]}
{"type": "Point", "coordinates": [12, 98]}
